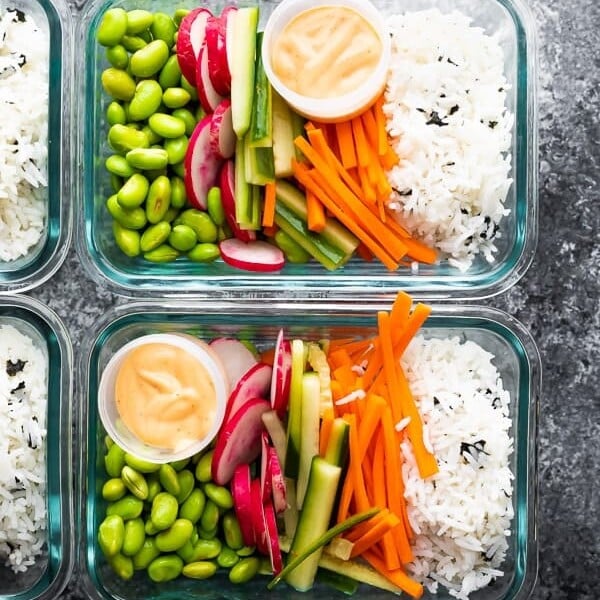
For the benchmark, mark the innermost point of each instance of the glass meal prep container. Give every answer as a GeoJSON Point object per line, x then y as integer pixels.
{"type": "Point", "coordinates": [516, 358]}
{"type": "Point", "coordinates": [43, 259]}
{"type": "Point", "coordinates": [106, 263]}
{"type": "Point", "coordinates": [53, 568]}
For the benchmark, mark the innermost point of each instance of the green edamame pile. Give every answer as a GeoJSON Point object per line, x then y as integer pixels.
{"type": "Point", "coordinates": [170, 520]}
{"type": "Point", "coordinates": [151, 113]}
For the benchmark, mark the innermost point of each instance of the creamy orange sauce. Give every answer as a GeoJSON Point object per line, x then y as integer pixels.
{"type": "Point", "coordinates": [326, 52]}
{"type": "Point", "coordinates": [165, 396]}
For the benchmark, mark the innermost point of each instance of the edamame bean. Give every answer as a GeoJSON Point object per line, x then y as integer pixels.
{"type": "Point", "coordinates": [191, 90]}
{"type": "Point", "coordinates": [165, 568]}
{"type": "Point", "coordinates": [152, 238]}
{"type": "Point", "coordinates": [116, 183]}
{"type": "Point", "coordinates": [204, 253]}
{"type": "Point", "coordinates": [146, 100]}
{"type": "Point", "coordinates": [245, 551]}
{"type": "Point", "coordinates": [168, 479]}
{"type": "Point", "coordinates": [146, 555]}
{"type": "Point", "coordinates": [176, 149]}
{"type": "Point", "coordinates": [141, 465]}
{"type": "Point", "coordinates": [150, 528]}
{"type": "Point", "coordinates": [185, 115]}
{"type": "Point", "coordinates": [166, 126]}
{"type": "Point", "coordinates": [146, 35]}
{"type": "Point", "coordinates": [175, 537]}
{"type": "Point", "coordinates": [193, 507]}
{"type": "Point", "coordinates": [186, 485]}
{"type": "Point", "coordinates": [134, 537]}
{"type": "Point", "coordinates": [154, 486]}
{"type": "Point", "coordinates": [123, 138]}
{"type": "Point", "coordinates": [127, 508]}
{"type": "Point", "coordinates": [164, 253]}
{"type": "Point", "coordinates": [170, 74]}
{"type": "Point", "coordinates": [158, 200]}
{"type": "Point", "coordinates": [113, 489]}
{"type": "Point", "coordinates": [179, 15]}
{"type": "Point", "coordinates": [215, 206]}
{"type": "Point", "coordinates": [186, 552]}
{"type": "Point", "coordinates": [171, 215]}
{"type": "Point", "coordinates": [294, 253]}
{"type": "Point", "coordinates": [135, 482]}
{"type": "Point", "coordinates": [182, 238]}
{"type": "Point", "coordinates": [178, 193]}
{"type": "Point", "coordinates": [130, 219]}
{"type": "Point", "coordinates": [227, 558]}
{"type": "Point", "coordinates": [133, 43]}
{"type": "Point", "coordinates": [153, 138]}
{"type": "Point", "coordinates": [122, 566]}
{"type": "Point", "coordinates": [118, 165]}
{"type": "Point", "coordinates": [115, 114]}
{"type": "Point", "coordinates": [134, 191]}
{"type": "Point", "coordinates": [128, 240]}
{"type": "Point", "coordinates": [244, 570]}
{"type": "Point", "coordinates": [138, 20]}
{"type": "Point", "coordinates": [164, 511]}
{"type": "Point", "coordinates": [210, 517]}
{"type": "Point", "coordinates": [163, 28]}
{"type": "Point", "coordinates": [205, 549]}
{"type": "Point", "coordinates": [118, 84]}
{"type": "Point", "coordinates": [112, 27]}
{"type": "Point", "coordinates": [179, 169]}
{"type": "Point", "coordinates": [219, 494]}
{"type": "Point", "coordinates": [108, 442]}
{"type": "Point", "coordinates": [110, 535]}
{"type": "Point", "coordinates": [117, 56]}
{"type": "Point", "coordinates": [147, 159]}
{"type": "Point", "coordinates": [232, 531]}
{"type": "Point", "coordinates": [207, 534]}
{"type": "Point", "coordinates": [175, 97]}
{"type": "Point", "coordinates": [201, 223]}
{"type": "Point", "coordinates": [199, 570]}
{"type": "Point", "coordinates": [150, 59]}
{"type": "Point", "coordinates": [114, 459]}
{"type": "Point", "coordinates": [203, 468]}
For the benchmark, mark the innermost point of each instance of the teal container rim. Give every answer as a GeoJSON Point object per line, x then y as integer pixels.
{"type": "Point", "coordinates": [140, 279]}
{"type": "Point", "coordinates": [59, 447]}
{"type": "Point", "coordinates": [443, 316]}
{"type": "Point", "coordinates": [42, 262]}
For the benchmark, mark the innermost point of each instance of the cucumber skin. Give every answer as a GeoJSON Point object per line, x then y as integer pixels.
{"type": "Point", "coordinates": [261, 123]}
{"type": "Point", "coordinates": [292, 459]}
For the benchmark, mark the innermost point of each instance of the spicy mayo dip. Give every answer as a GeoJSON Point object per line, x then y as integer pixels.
{"type": "Point", "coordinates": [326, 52]}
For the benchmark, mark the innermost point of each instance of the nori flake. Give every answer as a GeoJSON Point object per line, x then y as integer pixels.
{"type": "Point", "coordinates": [21, 386]}
{"type": "Point", "coordinates": [434, 119]}
{"type": "Point", "coordinates": [19, 15]}
{"type": "Point", "coordinates": [475, 450]}
{"type": "Point", "coordinates": [12, 368]}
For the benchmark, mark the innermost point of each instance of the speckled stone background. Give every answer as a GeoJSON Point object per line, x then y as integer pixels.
{"type": "Point", "coordinates": [558, 300]}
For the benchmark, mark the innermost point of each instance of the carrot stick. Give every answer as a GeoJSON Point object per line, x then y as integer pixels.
{"type": "Point", "coordinates": [402, 338]}
{"type": "Point", "coordinates": [360, 494]}
{"type": "Point", "coordinates": [364, 252]}
{"type": "Point", "coordinates": [389, 363]}
{"type": "Point", "coordinates": [397, 576]}
{"type": "Point", "coordinates": [400, 310]}
{"type": "Point", "coordinates": [267, 356]}
{"type": "Point", "coordinates": [345, 499]}
{"type": "Point", "coordinates": [370, 128]}
{"type": "Point", "coordinates": [270, 231]}
{"type": "Point", "coordinates": [346, 144]}
{"type": "Point", "coordinates": [382, 141]}
{"type": "Point", "coordinates": [368, 192]}
{"type": "Point", "coordinates": [338, 357]}
{"type": "Point", "coordinates": [325, 431]}
{"type": "Point", "coordinates": [269, 207]}
{"type": "Point", "coordinates": [315, 212]}
{"type": "Point", "coordinates": [374, 535]}
{"type": "Point", "coordinates": [369, 423]}
{"type": "Point", "coordinates": [357, 532]}
{"type": "Point", "coordinates": [360, 140]}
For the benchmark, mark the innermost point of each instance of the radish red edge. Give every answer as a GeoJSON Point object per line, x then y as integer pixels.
{"type": "Point", "coordinates": [273, 538]}
{"type": "Point", "coordinates": [266, 480]}
{"type": "Point", "coordinates": [222, 136]}
{"type": "Point", "coordinates": [209, 97]}
{"type": "Point", "coordinates": [254, 383]}
{"type": "Point", "coordinates": [227, 185]}
{"type": "Point", "coordinates": [190, 39]}
{"type": "Point", "coordinates": [278, 490]}
{"type": "Point", "coordinates": [242, 502]}
{"type": "Point", "coordinates": [282, 376]}
{"type": "Point", "coordinates": [216, 47]}
{"type": "Point", "coordinates": [255, 256]}
{"type": "Point", "coordinates": [258, 518]}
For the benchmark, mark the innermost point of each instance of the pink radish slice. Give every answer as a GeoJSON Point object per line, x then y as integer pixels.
{"type": "Point", "coordinates": [242, 502]}
{"type": "Point", "coordinates": [266, 481]}
{"type": "Point", "coordinates": [190, 39]}
{"type": "Point", "coordinates": [277, 482]}
{"type": "Point", "coordinates": [252, 256]}
{"type": "Point", "coordinates": [272, 538]}
{"type": "Point", "coordinates": [216, 47]}
{"type": "Point", "coordinates": [222, 136]}
{"type": "Point", "coordinates": [209, 98]}
{"type": "Point", "coordinates": [255, 383]}
{"type": "Point", "coordinates": [282, 375]}
{"type": "Point", "coordinates": [227, 185]}
{"type": "Point", "coordinates": [236, 359]}
{"type": "Point", "coordinates": [258, 518]}
{"type": "Point", "coordinates": [201, 165]}
{"type": "Point", "coordinates": [238, 441]}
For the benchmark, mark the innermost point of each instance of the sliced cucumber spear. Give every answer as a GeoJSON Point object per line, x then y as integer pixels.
{"type": "Point", "coordinates": [294, 432]}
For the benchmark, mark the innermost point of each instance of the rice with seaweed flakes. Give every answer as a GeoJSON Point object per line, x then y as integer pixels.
{"type": "Point", "coordinates": [23, 400]}
{"type": "Point", "coordinates": [23, 133]}
{"type": "Point", "coordinates": [462, 515]}
{"type": "Point", "coordinates": [445, 108]}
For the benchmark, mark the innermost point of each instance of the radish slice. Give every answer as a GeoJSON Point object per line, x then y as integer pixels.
{"type": "Point", "coordinates": [242, 502]}
{"type": "Point", "coordinates": [226, 15]}
{"type": "Point", "coordinates": [201, 165]}
{"type": "Point", "coordinates": [209, 97]}
{"type": "Point", "coordinates": [238, 441]}
{"type": "Point", "coordinates": [216, 48]}
{"type": "Point", "coordinates": [272, 539]}
{"type": "Point", "coordinates": [222, 136]}
{"type": "Point", "coordinates": [227, 185]}
{"type": "Point", "coordinates": [277, 482]}
{"type": "Point", "coordinates": [236, 359]}
{"type": "Point", "coordinates": [258, 518]}
{"type": "Point", "coordinates": [282, 375]}
{"type": "Point", "coordinates": [252, 256]}
{"type": "Point", "coordinates": [190, 39]}
{"type": "Point", "coordinates": [266, 481]}
{"type": "Point", "coordinates": [255, 383]}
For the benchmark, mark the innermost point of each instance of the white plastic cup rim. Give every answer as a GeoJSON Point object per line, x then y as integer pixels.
{"type": "Point", "coordinates": [119, 432]}
{"type": "Point", "coordinates": [341, 107]}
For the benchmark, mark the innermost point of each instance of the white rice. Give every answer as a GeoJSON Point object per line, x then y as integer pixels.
{"type": "Point", "coordinates": [445, 105]}
{"type": "Point", "coordinates": [23, 400]}
{"type": "Point", "coordinates": [462, 515]}
{"type": "Point", "coordinates": [23, 133]}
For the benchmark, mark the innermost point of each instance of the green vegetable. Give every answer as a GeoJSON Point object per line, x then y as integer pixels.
{"type": "Point", "coordinates": [110, 535]}
{"type": "Point", "coordinates": [154, 236]}
{"type": "Point", "coordinates": [138, 20]}
{"type": "Point", "coordinates": [293, 251]}
{"type": "Point", "coordinates": [128, 240]}
{"type": "Point", "coordinates": [337, 448]}
{"type": "Point", "coordinates": [118, 84]}
{"type": "Point", "coordinates": [205, 252]}
{"type": "Point", "coordinates": [146, 100]}
{"type": "Point", "coordinates": [173, 538]}
{"type": "Point", "coordinates": [199, 570]}
{"type": "Point", "coordinates": [166, 126]}
{"type": "Point", "coordinates": [294, 430]}
{"type": "Point", "coordinates": [135, 482]}
{"type": "Point", "coordinates": [134, 537]}
{"type": "Point", "coordinates": [112, 27]}
{"type": "Point", "coordinates": [261, 124]}
{"type": "Point", "coordinates": [165, 568]}
{"type": "Point", "coordinates": [284, 150]}
{"type": "Point", "coordinates": [245, 570]}
{"type": "Point", "coordinates": [150, 59]}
